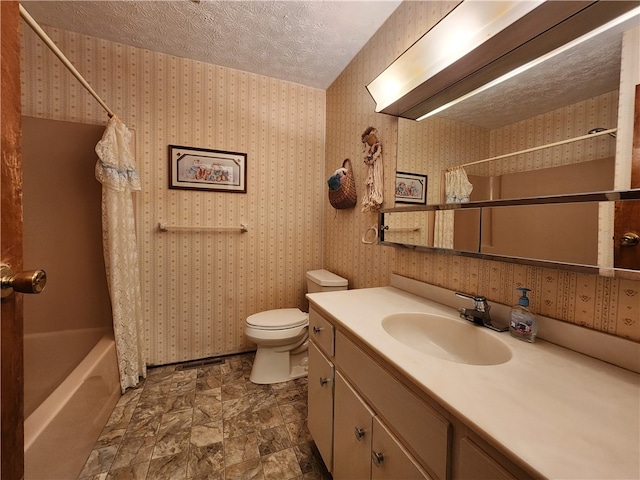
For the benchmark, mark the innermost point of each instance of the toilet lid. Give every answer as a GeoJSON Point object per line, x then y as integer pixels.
{"type": "Point", "coordinates": [280, 318]}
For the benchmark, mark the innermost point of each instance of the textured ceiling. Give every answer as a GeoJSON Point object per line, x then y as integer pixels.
{"type": "Point", "coordinates": [307, 42]}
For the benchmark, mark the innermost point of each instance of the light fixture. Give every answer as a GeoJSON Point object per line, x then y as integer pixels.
{"type": "Point", "coordinates": [481, 42]}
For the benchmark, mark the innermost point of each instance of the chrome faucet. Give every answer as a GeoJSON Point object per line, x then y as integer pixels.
{"type": "Point", "coordinates": [480, 312]}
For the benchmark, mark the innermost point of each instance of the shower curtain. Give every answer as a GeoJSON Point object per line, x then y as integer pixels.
{"type": "Point", "coordinates": [116, 170]}
{"type": "Point", "coordinates": [457, 190]}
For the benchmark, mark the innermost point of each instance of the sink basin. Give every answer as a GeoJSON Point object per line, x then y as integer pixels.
{"type": "Point", "coordinates": [447, 339]}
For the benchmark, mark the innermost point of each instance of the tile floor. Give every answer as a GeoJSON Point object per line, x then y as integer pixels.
{"type": "Point", "coordinates": [209, 423]}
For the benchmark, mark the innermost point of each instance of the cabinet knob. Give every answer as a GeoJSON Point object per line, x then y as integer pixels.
{"type": "Point", "coordinates": [324, 381]}
{"type": "Point", "coordinates": [377, 458]}
{"type": "Point", "coordinates": [359, 433]}
{"type": "Point", "coordinates": [317, 330]}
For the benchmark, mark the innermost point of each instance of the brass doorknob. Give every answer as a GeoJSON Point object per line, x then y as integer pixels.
{"type": "Point", "coordinates": [629, 239]}
{"type": "Point", "coordinates": [29, 281]}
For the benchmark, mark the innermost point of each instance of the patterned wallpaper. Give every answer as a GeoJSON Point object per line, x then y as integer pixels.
{"type": "Point", "coordinates": [199, 287]}
{"type": "Point", "coordinates": [601, 303]}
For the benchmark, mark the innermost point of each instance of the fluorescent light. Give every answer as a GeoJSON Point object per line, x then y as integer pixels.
{"type": "Point", "coordinates": [470, 24]}
{"type": "Point", "coordinates": [617, 21]}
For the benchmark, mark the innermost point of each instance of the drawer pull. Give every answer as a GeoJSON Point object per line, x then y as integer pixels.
{"type": "Point", "coordinates": [359, 433]}
{"type": "Point", "coordinates": [377, 458]}
{"type": "Point", "coordinates": [324, 381]}
{"type": "Point", "coordinates": [317, 330]}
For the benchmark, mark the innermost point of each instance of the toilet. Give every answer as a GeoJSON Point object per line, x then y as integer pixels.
{"type": "Point", "coordinates": [282, 335]}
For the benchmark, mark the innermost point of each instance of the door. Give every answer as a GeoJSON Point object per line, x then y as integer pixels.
{"type": "Point", "coordinates": [627, 214]}
{"type": "Point", "coordinates": [11, 363]}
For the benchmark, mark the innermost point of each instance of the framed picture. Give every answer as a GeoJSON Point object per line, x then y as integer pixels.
{"type": "Point", "coordinates": [411, 188]}
{"type": "Point", "coordinates": [201, 169]}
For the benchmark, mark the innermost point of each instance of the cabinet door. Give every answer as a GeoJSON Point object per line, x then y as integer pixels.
{"type": "Point", "coordinates": [352, 429]}
{"type": "Point", "coordinates": [320, 404]}
{"type": "Point", "coordinates": [390, 460]}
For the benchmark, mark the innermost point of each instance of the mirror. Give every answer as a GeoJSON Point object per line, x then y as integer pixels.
{"type": "Point", "coordinates": [565, 97]}
{"type": "Point", "coordinates": [574, 232]}
{"type": "Point", "coordinates": [561, 105]}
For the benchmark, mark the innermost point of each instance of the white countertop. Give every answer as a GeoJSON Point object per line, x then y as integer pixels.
{"type": "Point", "coordinates": [564, 414]}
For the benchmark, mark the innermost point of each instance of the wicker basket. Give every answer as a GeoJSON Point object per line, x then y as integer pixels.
{"type": "Point", "coordinates": [345, 196]}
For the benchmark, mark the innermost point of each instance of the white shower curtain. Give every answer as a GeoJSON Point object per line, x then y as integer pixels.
{"type": "Point", "coordinates": [117, 172]}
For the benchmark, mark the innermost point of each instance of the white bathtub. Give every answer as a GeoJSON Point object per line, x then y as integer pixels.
{"type": "Point", "coordinates": [60, 432]}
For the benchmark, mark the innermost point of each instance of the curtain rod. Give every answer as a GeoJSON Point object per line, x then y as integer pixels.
{"type": "Point", "coordinates": [58, 53]}
{"type": "Point", "coordinates": [540, 147]}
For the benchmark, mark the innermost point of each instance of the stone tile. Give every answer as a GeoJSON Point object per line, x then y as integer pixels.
{"type": "Point", "coordinates": [237, 425]}
{"type": "Point", "coordinates": [273, 440]}
{"type": "Point", "coordinates": [267, 417]}
{"type": "Point", "coordinates": [208, 476]}
{"type": "Point", "coordinates": [258, 432]}
{"type": "Point", "coordinates": [282, 465]}
{"type": "Point", "coordinates": [180, 401]}
{"type": "Point", "coordinates": [294, 412]}
{"type": "Point", "coordinates": [121, 416]}
{"type": "Point", "coordinates": [207, 382]}
{"type": "Point", "coordinates": [143, 425]}
{"type": "Point", "coordinates": [310, 461]}
{"type": "Point", "coordinates": [299, 432]}
{"type": "Point", "coordinates": [183, 381]}
{"type": "Point", "coordinates": [206, 412]}
{"type": "Point", "coordinates": [235, 390]}
{"type": "Point", "coordinates": [137, 471]}
{"type": "Point", "coordinates": [203, 435]}
{"type": "Point", "coordinates": [134, 450]}
{"type": "Point", "coordinates": [99, 476]}
{"type": "Point", "coordinates": [249, 470]}
{"type": "Point", "coordinates": [234, 376]}
{"type": "Point", "coordinates": [205, 460]}
{"type": "Point", "coordinates": [99, 461]}
{"type": "Point", "coordinates": [173, 435]}
{"type": "Point", "coordinates": [110, 437]}
{"type": "Point", "coordinates": [170, 467]}
{"type": "Point", "coordinates": [210, 370]}
{"type": "Point", "coordinates": [240, 449]}
{"type": "Point", "coordinates": [291, 395]}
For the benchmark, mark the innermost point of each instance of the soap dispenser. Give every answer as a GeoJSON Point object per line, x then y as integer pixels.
{"type": "Point", "coordinates": [523, 324]}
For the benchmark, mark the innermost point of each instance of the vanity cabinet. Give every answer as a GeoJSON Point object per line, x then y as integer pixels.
{"type": "Point", "coordinates": [369, 424]}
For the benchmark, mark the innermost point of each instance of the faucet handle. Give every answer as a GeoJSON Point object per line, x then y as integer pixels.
{"type": "Point", "coordinates": [479, 302]}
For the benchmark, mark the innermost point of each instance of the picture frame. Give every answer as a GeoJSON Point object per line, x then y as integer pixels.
{"type": "Point", "coordinates": [193, 168]}
{"type": "Point", "coordinates": [411, 188]}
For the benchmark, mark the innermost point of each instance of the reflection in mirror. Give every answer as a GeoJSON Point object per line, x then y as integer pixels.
{"type": "Point", "coordinates": [455, 229]}
{"type": "Point", "coordinates": [572, 232]}
{"type": "Point", "coordinates": [560, 99]}
{"type": "Point", "coordinates": [560, 232]}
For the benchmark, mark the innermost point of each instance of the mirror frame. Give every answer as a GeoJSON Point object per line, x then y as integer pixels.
{"type": "Point", "coordinates": [609, 196]}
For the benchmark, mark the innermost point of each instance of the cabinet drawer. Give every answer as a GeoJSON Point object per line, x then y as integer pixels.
{"type": "Point", "coordinates": [321, 331]}
{"type": "Point", "coordinates": [320, 403]}
{"type": "Point", "coordinates": [425, 433]}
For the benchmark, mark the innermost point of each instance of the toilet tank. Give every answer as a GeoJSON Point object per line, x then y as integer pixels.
{"type": "Point", "coordinates": [325, 281]}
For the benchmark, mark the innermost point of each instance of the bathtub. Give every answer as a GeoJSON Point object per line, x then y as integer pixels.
{"type": "Point", "coordinates": [61, 429]}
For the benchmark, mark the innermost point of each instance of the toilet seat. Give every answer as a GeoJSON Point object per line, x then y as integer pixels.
{"type": "Point", "coordinates": [279, 319]}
